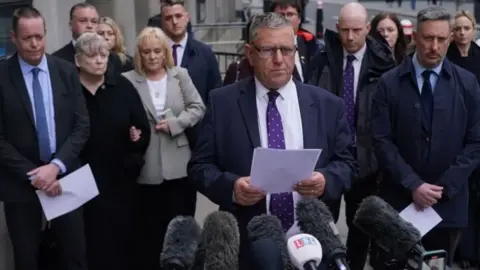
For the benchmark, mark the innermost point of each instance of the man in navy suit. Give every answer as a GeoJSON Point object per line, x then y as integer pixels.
{"type": "Point", "coordinates": [426, 131]}
{"type": "Point", "coordinates": [197, 58]}
{"type": "Point", "coordinates": [299, 117]}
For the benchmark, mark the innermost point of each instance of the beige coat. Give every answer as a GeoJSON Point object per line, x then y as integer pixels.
{"type": "Point", "coordinates": [168, 154]}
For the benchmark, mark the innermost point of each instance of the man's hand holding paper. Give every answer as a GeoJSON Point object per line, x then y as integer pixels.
{"type": "Point", "coordinates": [313, 187]}
{"type": "Point", "coordinates": [245, 194]}
{"type": "Point", "coordinates": [279, 170]}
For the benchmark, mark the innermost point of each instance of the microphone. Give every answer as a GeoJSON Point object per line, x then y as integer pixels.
{"type": "Point", "coordinates": [199, 261]}
{"type": "Point", "coordinates": [269, 227]}
{"type": "Point", "coordinates": [314, 217]}
{"type": "Point", "coordinates": [266, 255]}
{"type": "Point", "coordinates": [382, 223]}
{"type": "Point", "coordinates": [305, 251]}
{"type": "Point", "coordinates": [180, 244]}
{"type": "Point", "coordinates": [221, 241]}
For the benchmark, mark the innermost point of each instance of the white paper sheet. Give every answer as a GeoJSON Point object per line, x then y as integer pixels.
{"type": "Point", "coordinates": [78, 188]}
{"type": "Point", "coordinates": [424, 220]}
{"type": "Point", "coordinates": [277, 170]}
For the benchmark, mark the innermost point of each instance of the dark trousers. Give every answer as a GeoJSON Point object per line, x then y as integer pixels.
{"type": "Point", "coordinates": [358, 243]}
{"type": "Point", "coordinates": [109, 230]}
{"type": "Point", "coordinates": [156, 206]}
{"type": "Point", "coordinates": [24, 223]}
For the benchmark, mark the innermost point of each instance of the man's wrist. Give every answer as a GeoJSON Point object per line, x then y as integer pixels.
{"type": "Point", "coordinates": [60, 165]}
{"type": "Point", "coordinates": [56, 167]}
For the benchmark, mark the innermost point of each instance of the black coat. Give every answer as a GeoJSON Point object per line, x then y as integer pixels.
{"type": "Point", "coordinates": [445, 156]}
{"type": "Point", "coordinates": [326, 71]}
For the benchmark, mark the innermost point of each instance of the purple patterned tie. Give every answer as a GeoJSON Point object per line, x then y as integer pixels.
{"type": "Point", "coordinates": [281, 204]}
{"type": "Point", "coordinates": [348, 95]}
{"type": "Point", "coordinates": [174, 52]}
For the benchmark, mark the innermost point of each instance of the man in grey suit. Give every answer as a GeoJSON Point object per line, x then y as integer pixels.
{"type": "Point", "coordinates": [43, 127]}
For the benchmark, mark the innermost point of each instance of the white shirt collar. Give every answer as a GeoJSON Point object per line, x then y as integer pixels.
{"type": "Point", "coordinates": [182, 43]}
{"type": "Point", "coordinates": [285, 91]}
{"type": "Point", "coordinates": [358, 55]}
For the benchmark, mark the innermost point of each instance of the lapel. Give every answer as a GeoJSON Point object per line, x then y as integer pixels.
{"type": "Point", "coordinates": [407, 69]}
{"type": "Point", "coordinates": [248, 107]}
{"type": "Point", "coordinates": [362, 76]}
{"type": "Point", "coordinates": [188, 52]}
{"type": "Point", "coordinates": [58, 91]}
{"type": "Point", "coordinates": [309, 116]}
{"type": "Point", "coordinates": [144, 93]}
{"type": "Point", "coordinates": [18, 80]}
{"type": "Point", "coordinates": [174, 85]}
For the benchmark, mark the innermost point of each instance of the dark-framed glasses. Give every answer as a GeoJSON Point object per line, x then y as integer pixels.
{"type": "Point", "coordinates": [267, 52]}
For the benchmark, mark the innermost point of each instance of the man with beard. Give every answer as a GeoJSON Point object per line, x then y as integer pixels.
{"type": "Point", "coordinates": [84, 18]}
{"type": "Point", "coordinates": [350, 67]}
{"type": "Point", "coordinates": [189, 53]}
{"type": "Point", "coordinates": [426, 132]}
{"type": "Point", "coordinates": [196, 57]}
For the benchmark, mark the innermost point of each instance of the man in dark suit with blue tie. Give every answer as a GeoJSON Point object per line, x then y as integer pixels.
{"type": "Point", "coordinates": [43, 127]}
{"type": "Point", "coordinates": [426, 130]}
{"type": "Point", "coordinates": [299, 117]}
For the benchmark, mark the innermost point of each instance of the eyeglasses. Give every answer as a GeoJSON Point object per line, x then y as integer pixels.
{"type": "Point", "coordinates": [267, 52]}
{"type": "Point", "coordinates": [289, 15]}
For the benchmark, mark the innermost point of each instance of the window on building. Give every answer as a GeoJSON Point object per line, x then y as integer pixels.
{"type": "Point", "coordinates": [201, 11]}
{"type": "Point", "coordinates": [7, 7]}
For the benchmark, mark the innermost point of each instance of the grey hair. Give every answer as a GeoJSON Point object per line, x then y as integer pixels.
{"type": "Point", "coordinates": [90, 43]}
{"type": "Point", "coordinates": [434, 13]}
{"type": "Point", "coordinates": [270, 20]}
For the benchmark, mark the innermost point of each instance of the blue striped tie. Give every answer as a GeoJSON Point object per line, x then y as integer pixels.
{"type": "Point", "coordinates": [41, 118]}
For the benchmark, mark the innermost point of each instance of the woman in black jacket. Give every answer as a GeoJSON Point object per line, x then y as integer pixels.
{"type": "Point", "coordinates": [463, 50]}
{"type": "Point", "coordinates": [387, 28]}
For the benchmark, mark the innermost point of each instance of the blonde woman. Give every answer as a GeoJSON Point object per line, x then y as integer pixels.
{"type": "Point", "coordinates": [110, 31]}
{"type": "Point", "coordinates": [463, 51]}
{"type": "Point", "coordinates": [173, 105]}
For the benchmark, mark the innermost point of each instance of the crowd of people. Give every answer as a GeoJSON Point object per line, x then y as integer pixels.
{"type": "Point", "coordinates": [396, 115]}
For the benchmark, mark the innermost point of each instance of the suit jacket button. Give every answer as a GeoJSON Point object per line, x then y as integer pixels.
{"type": "Point", "coordinates": [427, 139]}
{"type": "Point", "coordinates": [416, 105]}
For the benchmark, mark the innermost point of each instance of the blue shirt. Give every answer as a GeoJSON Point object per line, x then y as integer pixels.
{"type": "Point", "coordinates": [44, 78]}
{"type": "Point", "coordinates": [419, 70]}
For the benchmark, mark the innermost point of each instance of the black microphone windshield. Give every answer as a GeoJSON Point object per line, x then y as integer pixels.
{"type": "Point", "coordinates": [221, 241]}
{"type": "Point", "coordinates": [180, 244]}
{"type": "Point", "coordinates": [314, 218]}
{"type": "Point", "coordinates": [266, 255]}
{"type": "Point", "coordinates": [382, 223]}
{"type": "Point", "coordinates": [269, 227]}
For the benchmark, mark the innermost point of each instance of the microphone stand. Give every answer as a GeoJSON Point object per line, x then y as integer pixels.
{"type": "Point", "coordinates": [310, 265]}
